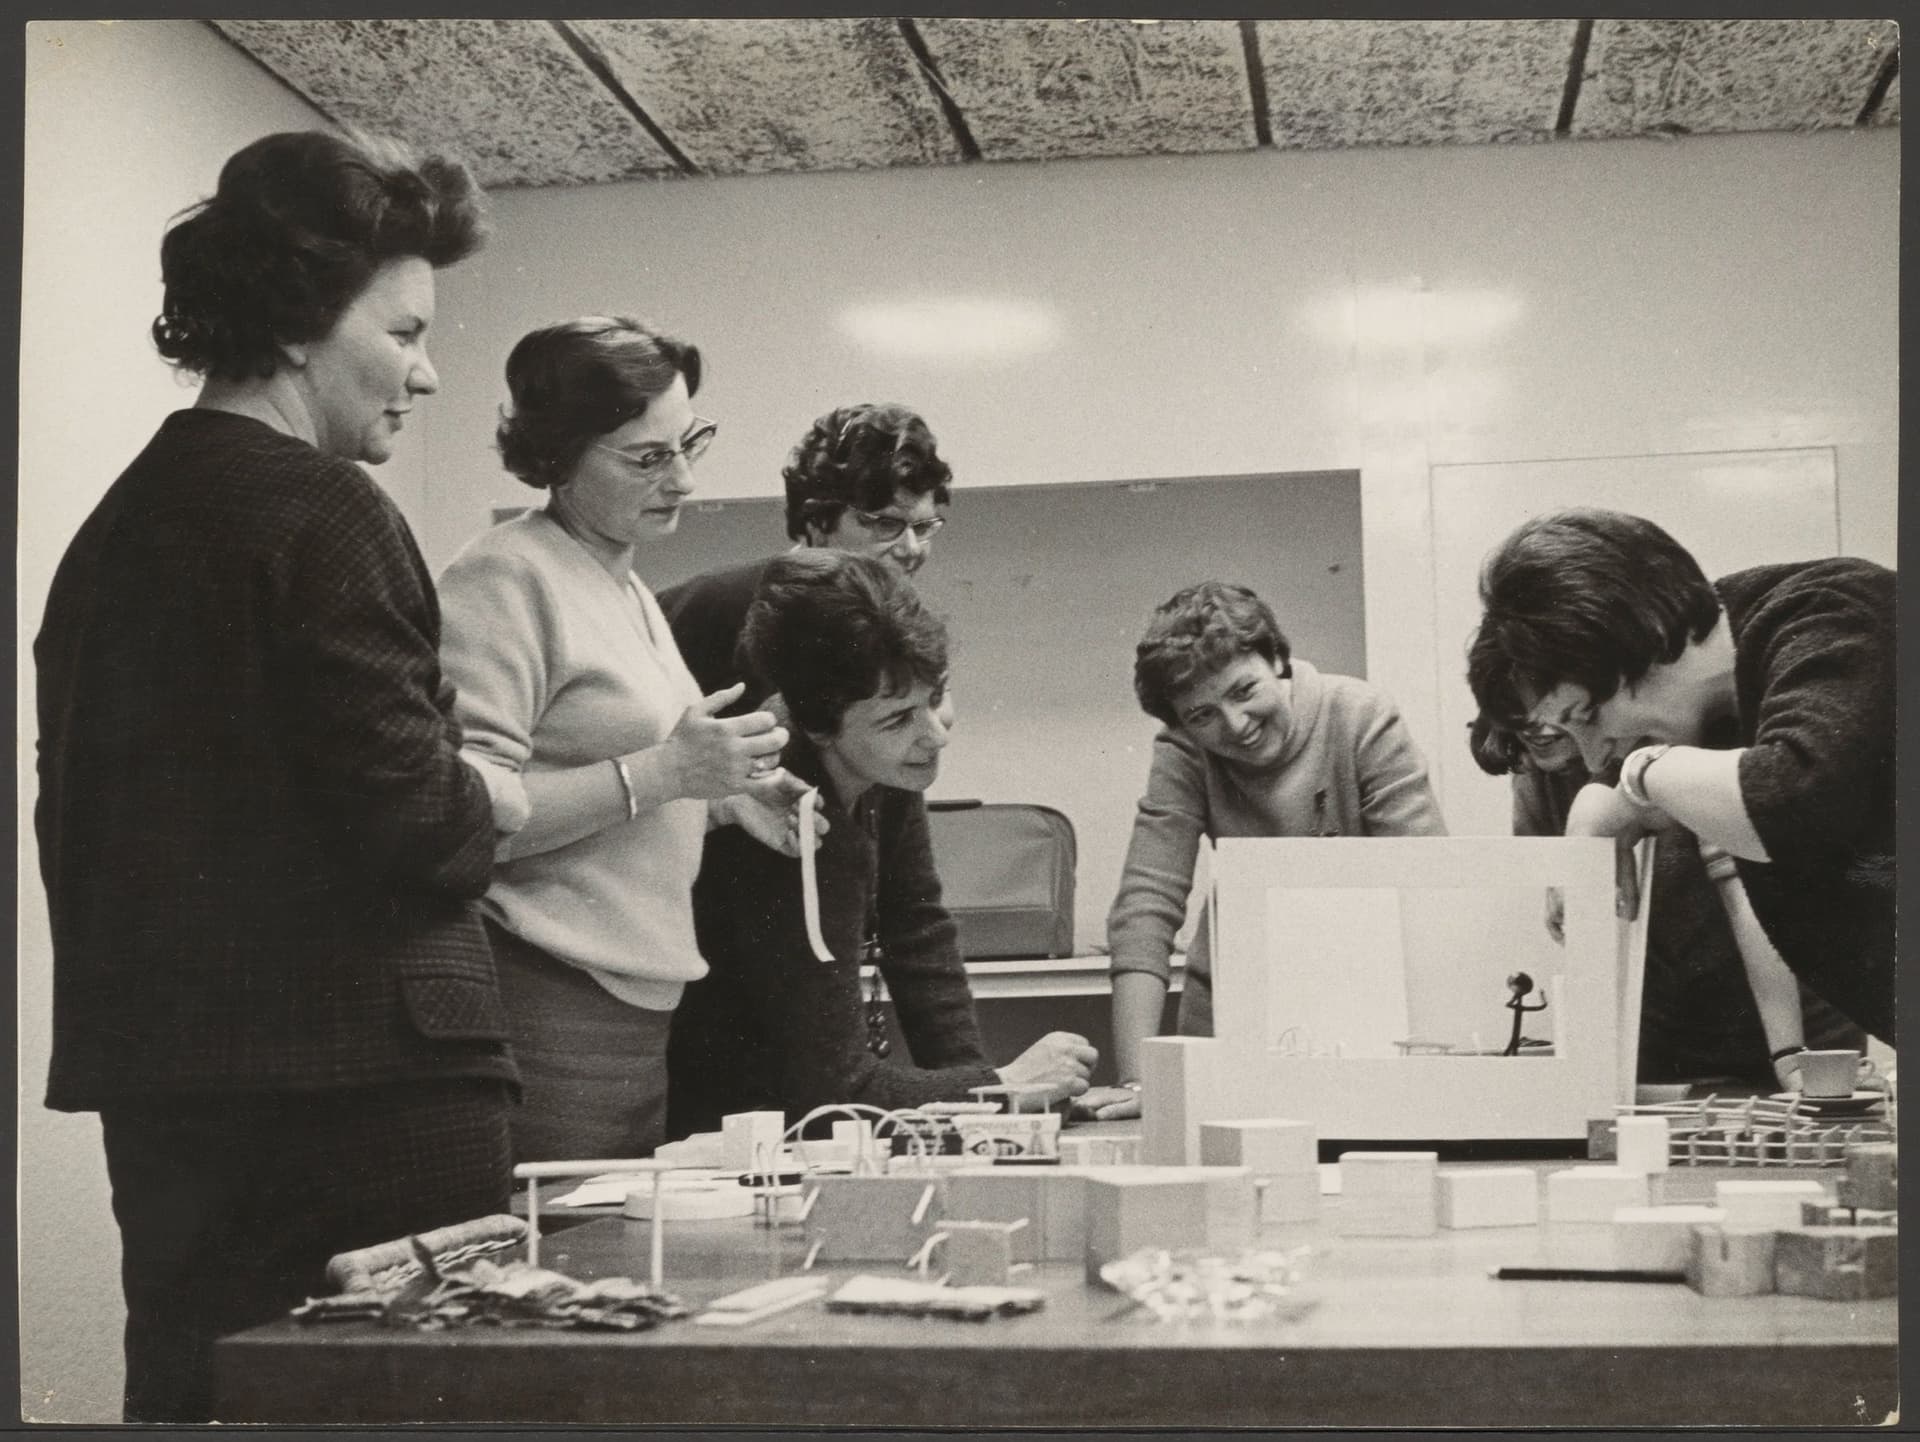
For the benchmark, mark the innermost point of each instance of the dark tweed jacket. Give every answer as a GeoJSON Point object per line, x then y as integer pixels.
{"type": "Point", "coordinates": [259, 843]}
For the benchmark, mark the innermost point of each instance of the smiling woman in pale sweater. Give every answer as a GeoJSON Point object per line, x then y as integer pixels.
{"type": "Point", "coordinates": [571, 689]}
{"type": "Point", "coordinates": [1257, 743]}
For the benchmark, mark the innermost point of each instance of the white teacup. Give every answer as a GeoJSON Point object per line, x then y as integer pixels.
{"type": "Point", "coordinates": [1832, 1073]}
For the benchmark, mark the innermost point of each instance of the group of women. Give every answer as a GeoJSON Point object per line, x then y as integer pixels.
{"type": "Point", "coordinates": [363, 887]}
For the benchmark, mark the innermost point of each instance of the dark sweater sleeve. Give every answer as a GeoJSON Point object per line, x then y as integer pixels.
{"type": "Point", "coordinates": [1818, 678]}
{"type": "Point", "coordinates": [811, 1013]}
{"type": "Point", "coordinates": [364, 703]}
{"type": "Point", "coordinates": [922, 965]}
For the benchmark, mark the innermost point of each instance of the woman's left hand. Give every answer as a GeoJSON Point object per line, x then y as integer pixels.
{"type": "Point", "coordinates": [768, 809]}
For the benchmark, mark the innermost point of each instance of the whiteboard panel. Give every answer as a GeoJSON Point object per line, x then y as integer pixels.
{"type": "Point", "coordinates": [1732, 509]}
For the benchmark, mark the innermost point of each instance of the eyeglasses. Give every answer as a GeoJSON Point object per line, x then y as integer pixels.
{"type": "Point", "coordinates": [891, 528]}
{"type": "Point", "coordinates": [654, 462]}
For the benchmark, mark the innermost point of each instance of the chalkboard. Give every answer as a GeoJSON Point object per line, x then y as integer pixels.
{"type": "Point", "coordinates": [1046, 589]}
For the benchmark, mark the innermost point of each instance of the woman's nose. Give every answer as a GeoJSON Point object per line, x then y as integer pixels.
{"type": "Point", "coordinates": [424, 380]}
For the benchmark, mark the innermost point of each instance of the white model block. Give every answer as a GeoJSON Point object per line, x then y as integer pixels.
{"type": "Point", "coordinates": [1287, 1197]}
{"type": "Point", "coordinates": [1659, 1239]}
{"type": "Point", "coordinates": [1735, 1263]}
{"type": "Point", "coordinates": [1052, 1201]}
{"type": "Point", "coordinates": [1208, 1209]}
{"type": "Point", "coordinates": [1180, 1087]}
{"type": "Point", "coordinates": [1266, 1146]}
{"type": "Point", "coordinates": [1641, 1144]}
{"type": "Point", "coordinates": [869, 1219]}
{"type": "Point", "coordinates": [1102, 1151]}
{"type": "Point", "coordinates": [1763, 1205]}
{"type": "Point", "coordinates": [980, 1254]}
{"type": "Point", "coordinates": [1488, 1196]}
{"type": "Point", "coordinates": [1593, 1194]}
{"type": "Point", "coordinates": [1389, 1194]}
{"type": "Point", "coordinates": [751, 1139]}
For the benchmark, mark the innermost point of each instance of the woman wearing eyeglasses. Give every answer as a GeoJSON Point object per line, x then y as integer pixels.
{"type": "Point", "coordinates": [865, 478]}
{"type": "Point", "coordinates": [570, 685]}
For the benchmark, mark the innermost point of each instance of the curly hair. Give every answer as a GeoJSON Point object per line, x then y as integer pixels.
{"type": "Point", "coordinates": [295, 229]}
{"type": "Point", "coordinates": [829, 628]}
{"type": "Point", "coordinates": [861, 456]}
{"type": "Point", "coordinates": [574, 382]}
{"type": "Point", "coordinates": [1585, 597]}
{"type": "Point", "coordinates": [1199, 631]}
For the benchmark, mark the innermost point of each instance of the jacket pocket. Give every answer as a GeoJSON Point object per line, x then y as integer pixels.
{"type": "Point", "coordinates": [454, 1008]}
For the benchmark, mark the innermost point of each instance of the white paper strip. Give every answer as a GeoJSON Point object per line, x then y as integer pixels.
{"type": "Point", "coordinates": [810, 875]}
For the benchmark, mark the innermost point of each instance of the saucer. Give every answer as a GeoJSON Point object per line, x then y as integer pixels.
{"type": "Point", "coordinates": [1839, 1106]}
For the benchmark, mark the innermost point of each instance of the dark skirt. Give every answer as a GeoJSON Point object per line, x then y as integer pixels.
{"type": "Point", "coordinates": [593, 1069]}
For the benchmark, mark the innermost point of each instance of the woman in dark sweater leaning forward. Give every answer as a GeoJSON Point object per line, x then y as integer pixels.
{"type": "Point", "coordinates": [861, 666]}
{"type": "Point", "coordinates": [1755, 710]}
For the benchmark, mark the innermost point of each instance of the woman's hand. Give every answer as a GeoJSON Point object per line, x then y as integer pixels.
{"type": "Point", "coordinates": [1601, 810]}
{"type": "Point", "coordinates": [1108, 1104]}
{"type": "Point", "coordinates": [1060, 1061]}
{"type": "Point", "coordinates": [1787, 1072]}
{"type": "Point", "coordinates": [713, 756]}
{"type": "Point", "coordinates": [768, 810]}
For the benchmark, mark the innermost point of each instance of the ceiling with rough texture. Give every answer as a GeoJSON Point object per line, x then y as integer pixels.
{"type": "Point", "coordinates": [562, 102]}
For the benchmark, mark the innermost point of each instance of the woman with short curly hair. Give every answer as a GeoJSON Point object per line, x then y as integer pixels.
{"type": "Point", "coordinates": [866, 478]}
{"type": "Point", "coordinates": [572, 692]}
{"type": "Point", "coordinates": [259, 841]}
{"type": "Point", "coordinates": [1255, 742]}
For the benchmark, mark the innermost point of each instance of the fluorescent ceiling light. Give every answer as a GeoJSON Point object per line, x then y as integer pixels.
{"type": "Point", "coordinates": [953, 327]}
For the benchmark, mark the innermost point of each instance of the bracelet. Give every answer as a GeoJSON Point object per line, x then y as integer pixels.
{"type": "Point", "coordinates": [626, 785]}
{"type": "Point", "coordinates": [1787, 1051]}
{"type": "Point", "coordinates": [1633, 772]}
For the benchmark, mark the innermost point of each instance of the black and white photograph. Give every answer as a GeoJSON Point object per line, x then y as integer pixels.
{"type": "Point", "coordinates": [958, 722]}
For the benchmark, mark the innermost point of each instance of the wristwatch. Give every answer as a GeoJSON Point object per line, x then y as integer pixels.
{"type": "Point", "coordinates": [1633, 772]}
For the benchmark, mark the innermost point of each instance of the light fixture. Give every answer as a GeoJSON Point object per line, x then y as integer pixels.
{"type": "Point", "coordinates": [952, 327]}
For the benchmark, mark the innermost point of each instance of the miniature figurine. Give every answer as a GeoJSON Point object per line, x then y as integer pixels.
{"type": "Point", "coordinates": [1520, 984]}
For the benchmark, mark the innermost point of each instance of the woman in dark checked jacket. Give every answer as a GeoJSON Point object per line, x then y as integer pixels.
{"type": "Point", "coordinates": [259, 841]}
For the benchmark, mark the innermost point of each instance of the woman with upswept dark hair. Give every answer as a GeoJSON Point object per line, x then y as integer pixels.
{"type": "Point", "coordinates": [259, 840]}
{"type": "Point", "coordinates": [573, 693]}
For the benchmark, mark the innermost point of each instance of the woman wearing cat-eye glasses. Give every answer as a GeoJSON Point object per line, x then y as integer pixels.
{"type": "Point", "coordinates": [571, 689]}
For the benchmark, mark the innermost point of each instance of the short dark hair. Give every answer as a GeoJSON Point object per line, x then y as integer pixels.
{"type": "Point", "coordinates": [1196, 632]}
{"type": "Point", "coordinates": [1588, 597]}
{"type": "Point", "coordinates": [861, 456]}
{"type": "Point", "coordinates": [574, 382]}
{"type": "Point", "coordinates": [294, 231]}
{"type": "Point", "coordinates": [829, 628]}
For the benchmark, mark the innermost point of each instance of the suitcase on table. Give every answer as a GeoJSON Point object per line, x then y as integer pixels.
{"type": "Point", "coordinates": [1006, 875]}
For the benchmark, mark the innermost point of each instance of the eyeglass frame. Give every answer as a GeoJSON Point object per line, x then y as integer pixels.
{"type": "Point", "coordinates": [823, 512]}
{"type": "Point", "coordinates": [690, 449]}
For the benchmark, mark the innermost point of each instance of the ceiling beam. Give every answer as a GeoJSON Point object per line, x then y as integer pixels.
{"type": "Point", "coordinates": [595, 62]}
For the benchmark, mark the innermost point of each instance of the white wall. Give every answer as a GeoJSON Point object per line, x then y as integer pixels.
{"type": "Point", "coordinates": [125, 124]}
{"type": "Point", "coordinates": [1389, 310]}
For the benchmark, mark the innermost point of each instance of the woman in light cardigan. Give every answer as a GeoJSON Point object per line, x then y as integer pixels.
{"type": "Point", "coordinates": [570, 689]}
{"type": "Point", "coordinates": [1257, 743]}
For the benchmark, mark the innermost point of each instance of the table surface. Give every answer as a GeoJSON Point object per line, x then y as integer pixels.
{"type": "Point", "coordinates": [1397, 1332]}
